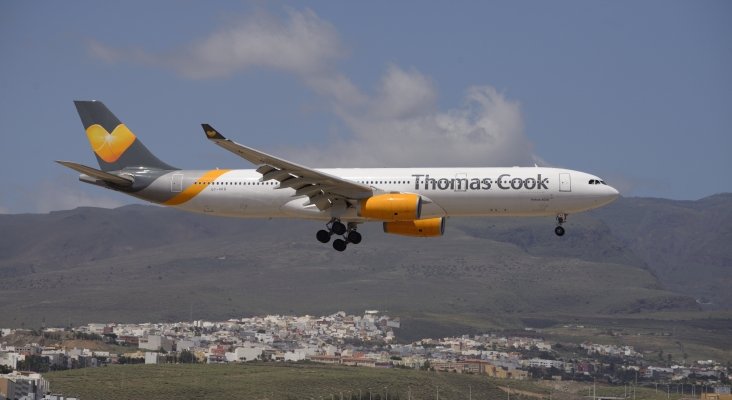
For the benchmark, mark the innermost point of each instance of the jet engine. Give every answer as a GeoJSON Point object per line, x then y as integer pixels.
{"type": "Point", "coordinates": [419, 228]}
{"type": "Point", "coordinates": [392, 207]}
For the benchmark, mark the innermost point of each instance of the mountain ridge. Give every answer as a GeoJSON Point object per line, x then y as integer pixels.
{"type": "Point", "coordinates": [140, 262]}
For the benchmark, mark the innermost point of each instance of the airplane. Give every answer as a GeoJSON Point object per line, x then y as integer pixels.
{"type": "Point", "coordinates": [407, 201]}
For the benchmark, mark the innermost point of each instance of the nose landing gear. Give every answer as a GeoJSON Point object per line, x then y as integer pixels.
{"type": "Point", "coordinates": [561, 218]}
{"type": "Point", "coordinates": [336, 227]}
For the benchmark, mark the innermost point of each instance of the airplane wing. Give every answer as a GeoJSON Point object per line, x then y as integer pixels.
{"type": "Point", "coordinates": [323, 189]}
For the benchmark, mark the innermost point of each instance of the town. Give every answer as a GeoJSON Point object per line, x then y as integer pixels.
{"type": "Point", "coordinates": [367, 340]}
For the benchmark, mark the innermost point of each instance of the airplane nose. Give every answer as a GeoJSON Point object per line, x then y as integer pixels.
{"type": "Point", "coordinates": [612, 193]}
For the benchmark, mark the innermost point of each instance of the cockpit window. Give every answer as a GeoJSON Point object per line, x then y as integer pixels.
{"type": "Point", "coordinates": [592, 181]}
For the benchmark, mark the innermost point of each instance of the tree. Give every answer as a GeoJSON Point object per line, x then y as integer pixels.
{"type": "Point", "coordinates": [34, 363]}
{"type": "Point", "coordinates": [187, 357]}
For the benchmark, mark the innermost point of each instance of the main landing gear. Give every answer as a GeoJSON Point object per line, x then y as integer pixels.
{"type": "Point", "coordinates": [336, 227]}
{"type": "Point", "coordinates": [561, 218]}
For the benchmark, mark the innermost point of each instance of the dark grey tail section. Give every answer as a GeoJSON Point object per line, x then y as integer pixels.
{"type": "Point", "coordinates": [115, 146]}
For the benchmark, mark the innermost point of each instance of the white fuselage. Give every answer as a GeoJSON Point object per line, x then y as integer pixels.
{"type": "Point", "coordinates": [451, 192]}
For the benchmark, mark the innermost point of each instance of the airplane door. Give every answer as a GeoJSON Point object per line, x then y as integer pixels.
{"type": "Point", "coordinates": [176, 183]}
{"type": "Point", "coordinates": [565, 183]}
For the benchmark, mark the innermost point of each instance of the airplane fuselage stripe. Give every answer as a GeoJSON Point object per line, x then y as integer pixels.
{"type": "Point", "coordinates": [192, 190]}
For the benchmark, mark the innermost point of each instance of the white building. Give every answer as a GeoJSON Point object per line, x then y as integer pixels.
{"type": "Point", "coordinates": [156, 342]}
{"type": "Point", "coordinates": [246, 352]}
{"type": "Point", "coordinates": [17, 385]}
{"type": "Point", "coordinates": [186, 344]}
{"type": "Point", "coordinates": [9, 359]}
{"type": "Point", "coordinates": [301, 354]}
{"type": "Point", "coordinates": [153, 358]}
{"type": "Point", "coordinates": [264, 337]}
{"type": "Point", "coordinates": [538, 362]}
{"type": "Point", "coordinates": [96, 328]}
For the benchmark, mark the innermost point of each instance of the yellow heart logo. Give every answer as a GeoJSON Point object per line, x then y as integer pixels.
{"type": "Point", "coordinates": [110, 146]}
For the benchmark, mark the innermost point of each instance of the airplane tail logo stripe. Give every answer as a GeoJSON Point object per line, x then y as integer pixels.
{"type": "Point", "coordinates": [197, 187]}
{"type": "Point", "coordinates": [110, 146]}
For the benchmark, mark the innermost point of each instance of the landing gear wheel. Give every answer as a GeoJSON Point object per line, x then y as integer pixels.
{"type": "Point", "coordinates": [354, 237]}
{"type": "Point", "coordinates": [323, 236]}
{"type": "Point", "coordinates": [339, 244]}
{"type": "Point", "coordinates": [338, 228]}
{"type": "Point", "coordinates": [559, 231]}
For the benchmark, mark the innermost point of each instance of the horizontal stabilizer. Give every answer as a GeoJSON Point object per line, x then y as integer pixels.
{"type": "Point", "coordinates": [118, 180]}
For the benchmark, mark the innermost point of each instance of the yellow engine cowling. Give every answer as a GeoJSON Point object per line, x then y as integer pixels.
{"type": "Point", "coordinates": [392, 207]}
{"type": "Point", "coordinates": [421, 227]}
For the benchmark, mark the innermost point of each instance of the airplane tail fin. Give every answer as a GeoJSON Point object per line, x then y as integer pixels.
{"type": "Point", "coordinates": [115, 146]}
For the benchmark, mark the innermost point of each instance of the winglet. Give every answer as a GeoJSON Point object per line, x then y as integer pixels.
{"type": "Point", "coordinates": [212, 133]}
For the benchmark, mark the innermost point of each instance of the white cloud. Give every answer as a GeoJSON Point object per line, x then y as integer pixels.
{"type": "Point", "coordinates": [404, 94]}
{"type": "Point", "coordinates": [301, 44]}
{"type": "Point", "coordinates": [401, 126]}
{"type": "Point", "coordinates": [398, 125]}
